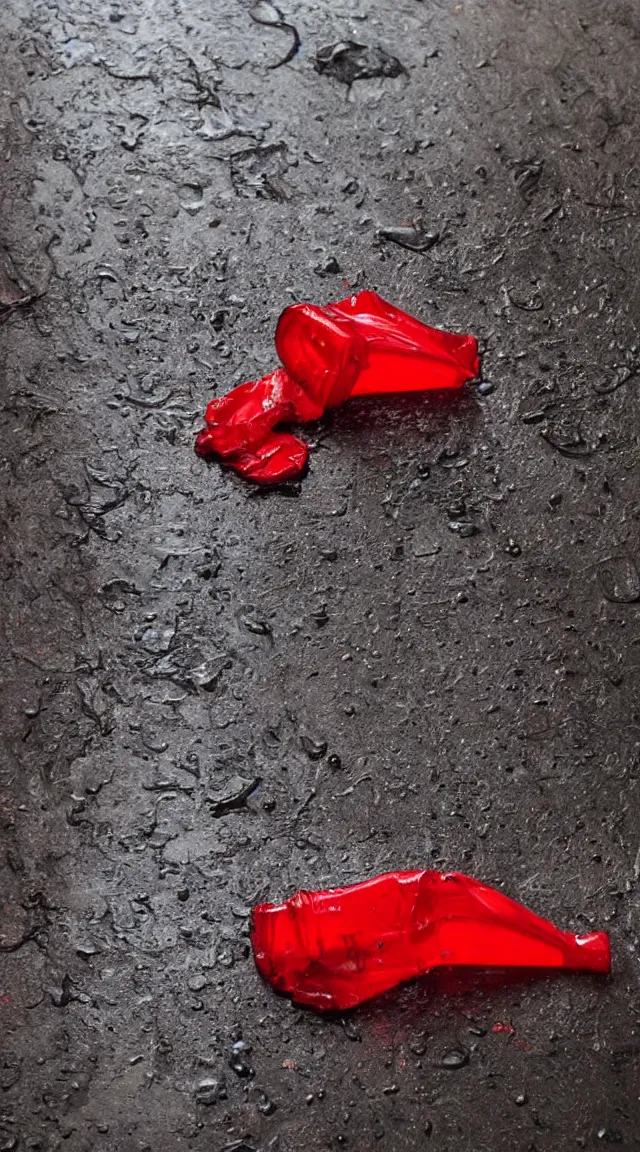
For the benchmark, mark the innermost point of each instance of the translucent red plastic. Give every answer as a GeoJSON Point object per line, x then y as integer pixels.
{"type": "Point", "coordinates": [335, 949]}
{"type": "Point", "coordinates": [359, 347]}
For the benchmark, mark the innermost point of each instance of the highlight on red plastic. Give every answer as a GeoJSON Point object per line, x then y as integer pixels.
{"type": "Point", "coordinates": [359, 347]}
{"type": "Point", "coordinates": [335, 949]}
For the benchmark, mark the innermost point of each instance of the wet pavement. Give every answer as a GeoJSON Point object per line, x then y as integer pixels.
{"type": "Point", "coordinates": [425, 654]}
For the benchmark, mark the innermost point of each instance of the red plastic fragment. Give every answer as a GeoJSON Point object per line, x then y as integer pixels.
{"type": "Point", "coordinates": [335, 949]}
{"type": "Point", "coordinates": [240, 429]}
{"type": "Point", "coordinates": [358, 347]}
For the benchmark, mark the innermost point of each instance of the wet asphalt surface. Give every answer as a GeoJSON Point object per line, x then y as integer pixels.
{"type": "Point", "coordinates": [425, 654]}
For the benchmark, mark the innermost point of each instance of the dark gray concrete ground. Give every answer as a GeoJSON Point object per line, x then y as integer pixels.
{"type": "Point", "coordinates": [449, 601]}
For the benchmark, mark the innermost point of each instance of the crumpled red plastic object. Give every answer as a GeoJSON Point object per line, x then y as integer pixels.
{"type": "Point", "coordinates": [358, 347]}
{"type": "Point", "coordinates": [335, 949]}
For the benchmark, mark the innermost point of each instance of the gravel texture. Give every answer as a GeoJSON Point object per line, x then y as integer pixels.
{"type": "Point", "coordinates": [424, 654]}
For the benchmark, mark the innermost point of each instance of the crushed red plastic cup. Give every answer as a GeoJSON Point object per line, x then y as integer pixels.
{"type": "Point", "coordinates": [361, 346]}
{"type": "Point", "coordinates": [335, 949]}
